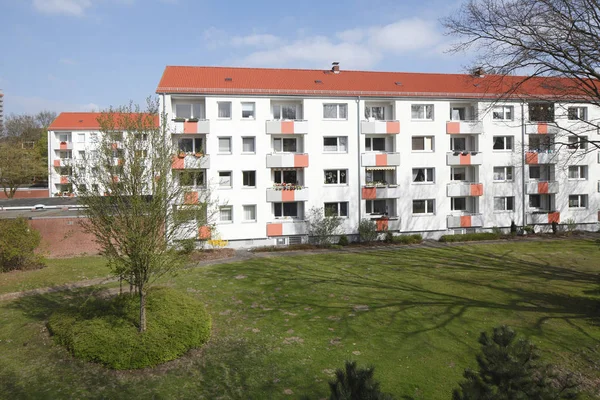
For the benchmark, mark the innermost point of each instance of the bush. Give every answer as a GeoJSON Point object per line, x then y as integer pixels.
{"type": "Point", "coordinates": [469, 237]}
{"type": "Point", "coordinates": [18, 242]}
{"type": "Point", "coordinates": [570, 225]}
{"type": "Point", "coordinates": [367, 230]}
{"type": "Point", "coordinates": [529, 229]}
{"type": "Point", "coordinates": [343, 241]}
{"type": "Point", "coordinates": [389, 237]}
{"type": "Point", "coordinates": [105, 331]}
{"type": "Point", "coordinates": [322, 225]}
{"type": "Point", "coordinates": [355, 383]}
{"type": "Point", "coordinates": [408, 239]}
{"type": "Point", "coordinates": [187, 246]}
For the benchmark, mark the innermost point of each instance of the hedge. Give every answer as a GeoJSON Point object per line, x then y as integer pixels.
{"type": "Point", "coordinates": [470, 237]}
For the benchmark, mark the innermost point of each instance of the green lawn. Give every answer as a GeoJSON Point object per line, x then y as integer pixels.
{"type": "Point", "coordinates": [288, 322]}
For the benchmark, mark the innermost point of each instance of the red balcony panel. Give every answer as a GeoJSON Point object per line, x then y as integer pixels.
{"type": "Point", "coordinates": [204, 232]}
{"type": "Point", "coordinates": [381, 160]}
{"type": "Point", "coordinates": [369, 193]}
{"type": "Point", "coordinates": [178, 163]}
{"type": "Point", "coordinates": [477, 189]}
{"type": "Point", "coordinates": [465, 159]}
{"type": "Point", "coordinates": [190, 198]}
{"type": "Point", "coordinates": [531, 158]}
{"type": "Point", "coordinates": [543, 187]}
{"type": "Point", "coordinates": [465, 221]}
{"type": "Point", "coordinates": [288, 195]}
{"type": "Point", "coordinates": [274, 229]}
{"type": "Point", "coordinates": [554, 217]}
{"type": "Point", "coordinates": [393, 127]}
{"type": "Point", "coordinates": [452, 127]}
{"type": "Point", "coordinates": [300, 160]}
{"type": "Point", "coordinates": [287, 127]}
{"type": "Point", "coordinates": [190, 127]}
{"type": "Point", "coordinates": [382, 225]}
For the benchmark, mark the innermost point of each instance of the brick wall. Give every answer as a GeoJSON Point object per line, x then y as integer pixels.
{"type": "Point", "coordinates": [27, 194]}
{"type": "Point", "coordinates": [64, 237]}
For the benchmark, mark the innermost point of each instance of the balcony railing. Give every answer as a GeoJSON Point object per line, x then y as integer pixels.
{"type": "Point", "coordinates": [379, 127]}
{"type": "Point", "coordinates": [286, 228]}
{"type": "Point", "coordinates": [287, 160]}
{"type": "Point", "coordinates": [291, 127]}
{"type": "Point", "coordinates": [464, 127]}
{"type": "Point", "coordinates": [381, 191]}
{"type": "Point", "coordinates": [190, 161]}
{"type": "Point", "coordinates": [65, 146]}
{"type": "Point", "coordinates": [465, 220]}
{"type": "Point", "coordinates": [464, 158]}
{"type": "Point", "coordinates": [380, 159]}
{"type": "Point", "coordinates": [462, 189]}
{"type": "Point", "coordinates": [542, 187]}
{"type": "Point", "coordinates": [543, 217]}
{"type": "Point", "coordinates": [533, 157]}
{"type": "Point", "coordinates": [289, 193]}
{"type": "Point", "coordinates": [541, 128]}
{"type": "Point", "coordinates": [191, 126]}
{"type": "Point", "coordinates": [387, 223]}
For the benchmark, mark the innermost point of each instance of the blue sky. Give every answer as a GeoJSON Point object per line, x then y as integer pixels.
{"type": "Point", "coordinates": [81, 55]}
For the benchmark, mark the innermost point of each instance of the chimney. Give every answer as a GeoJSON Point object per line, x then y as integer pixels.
{"type": "Point", "coordinates": [335, 67]}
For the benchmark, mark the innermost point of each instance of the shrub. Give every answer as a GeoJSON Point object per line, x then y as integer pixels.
{"type": "Point", "coordinates": [570, 225]}
{"type": "Point", "coordinates": [496, 230]}
{"type": "Point", "coordinates": [322, 225]}
{"type": "Point", "coordinates": [367, 230]}
{"type": "Point", "coordinates": [18, 242]}
{"type": "Point", "coordinates": [513, 228]}
{"type": "Point", "coordinates": [105, 331]}
{"type": "Point", "coordinates": [187, 246]}
{"type": "Point", "coordinates": [469, 237]}
{"type": "Point", "coordinates": [408, 239]}
{"type": "Point", "coordinates": [355, 383]}
{"type": "Point", "coordinates": [343, 241]}
{"type": "Point", "coordinates": [389, 237]}
{"type": "Point", "coordinates": [529, 229]}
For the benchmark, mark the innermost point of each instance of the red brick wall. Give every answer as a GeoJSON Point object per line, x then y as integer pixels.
{"type": "Point", "coordinates": [64, 237]}
{"type": "Point", "coordinates": [27, 194]}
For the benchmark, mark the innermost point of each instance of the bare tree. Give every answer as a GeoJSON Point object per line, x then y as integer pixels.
{"type": "Point", "coordinates": [132, 204]}
{"type": "Point", "coordinates": [19, 166]}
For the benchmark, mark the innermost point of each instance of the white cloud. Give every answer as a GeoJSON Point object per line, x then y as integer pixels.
{"type": "Point", "coordinates": [405, 35]}
{"type": "Point", "coordinates": [68, 7]}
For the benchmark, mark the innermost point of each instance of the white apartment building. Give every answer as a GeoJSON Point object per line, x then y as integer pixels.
{"type": "Point", "coordinates": [418, 153]}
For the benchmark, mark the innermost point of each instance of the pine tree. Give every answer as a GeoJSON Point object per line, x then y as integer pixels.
{"type": "Point", "coordinates": [353, 383]}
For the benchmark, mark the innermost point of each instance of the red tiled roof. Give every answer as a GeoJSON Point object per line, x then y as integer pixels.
{"type": "Point", "coordinates": [214, 80]}
{"type": "Point", "coordinates": [79, 121]}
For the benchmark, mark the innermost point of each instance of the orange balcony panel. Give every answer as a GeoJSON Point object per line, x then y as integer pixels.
{"type": "Point", "coordinates": [204, 232]}
{"type": "Point", "coordinates": [392, 127]}
{"type": "Point", "coordinates": [287, 127]}
{"type": "Point", "coordinates": [465, 221]}
{"type": "Point", "coordinates": [64, 180]}
{"type": "Point", "coordinates": [178, 163]}
{"type": "Point", "coordinates": [542, 128]}
{"type": "Point", "coordinates": [63, 146]}
{"type": "Point", "coordinates": [465, 159]}
{"type": "Point", "coordinates": [381, 160]}
{"type": "Point", "coordinates": [300, 160]}
{"type": "Point", "coordinates": [369, 193]}
{"type": "Point", "coordinates": [542, 187]}
{"type": "Point", "coordinates": [288, 195]}
{"type": "Point", "coordinates": [554, 217]}
{"type": "Point", "coordinates": [190, 127]}
{"type": "Point", "coordinates": [57, 163]}
{"type": "Point", "coordinates": [531, 158]}
{"type": "Point", "coordinates": [477, 189]}
{"type": "Point", "coordinates": [190, 198]}
{"type": "Point", "coordinates": [274, 229]}
{"type": "Point", "coordinates": [452, 127]}
{"type": "Point", "coordinates": [382, 225]}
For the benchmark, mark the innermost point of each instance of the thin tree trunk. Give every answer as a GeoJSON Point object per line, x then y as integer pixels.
{"type": "Point", "coordinates": [142, 311]}
{"type": "Point", "coordinates": [120, 285]}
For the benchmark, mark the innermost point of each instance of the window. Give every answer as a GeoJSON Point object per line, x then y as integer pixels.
{"type": "Point", "coordinates": [248, 145]}
{"type": "Point", "coordinates": [65, 155]}
{"type": "Point", "coordinates": [535, 172]}
{"type": "Point", "coordinates": [249, 178]}
{"type": "Point", "coordinates": [578, 201]}
{"type": "Point", "coordinates": [224, 179]}
{"type": "Point", "coordinates": [422, 143]}
{"type": "Point", "coordinates": [336, 176]}
{"type": "Point", "coordinates": [503, 174]}
{"type": "Point", "coordinates": [541, 112]}
{"type": "Point", "coordinates": [248, 111]}
{"type": "Point", "coordinates": [64, 137]}
{"type": "Point", "coordinates": [375, 112]}
{"type": "Point", "coordinates": [191, 145]}
{"type": "Point", "coordinates": [577, 113]}
{"type": "Point", "coordinates": [225, 145]}
{"type": "Point", "coordinates": [422, 112]}
{"type": "Point", "coordinates": [188, 111]}
{"type": "Point", "coordinates": [377, 207]}
{"type": "Point", "coordinates": [285, 210]}
{"type": "Point", "coordinates": [374, 144]}
{"type": "Point", "coordinates": [335, 111]}
{"type": "Point", "coordinates": [458, 174]}
{"type": "Point", "coordinates": [81, 154]}
{"type": "Point", "coordinates": [94, 137]}
{"type": "Point", "coordinates": [224, 109]}
{"type": "Point", "coordinates": [285, 145]}
{"type": "Point", "coordinates": [535, 201]}
{"type": "Point", "coordinates": [504, 203]}
{"type": "Point", "coordinates": [191, 178]}
{"type": "Point", "coordinates": [503, 143]}
{"type": "Point", "coordinates": [283, 111]}
{"type": "Point", "coordinates": [423, 206]}
{"type": "Point", "coordinates": [226, 214]}
{"type": "Point", "coordinates": [285, 176]}
{"type": "Point", "coordinates": [337, 144]}
{"type": "Point", "coordinates": [458, 143]}
{"type": "Point", "coordinates": [249, 213]}
{"type": "Point", "coordinates": [422, 174]}
{"type": "Point", "coordinates": [376, 176]}
{"type": "Point", "coordinates": [577, 142]}
{"type": "Point", "coordinates": [336, 209]}
{"type": "Point", "coordinates": [458, 204]}
{"type": "Point", "coordinates": [81, 138]}
{"type": "Point", "coordinates": [578, 172]}
{"type": "Point", "coordinates": [503, 113]}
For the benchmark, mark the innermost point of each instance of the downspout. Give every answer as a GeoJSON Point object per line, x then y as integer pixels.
{"type": "Point", "coordinates": [358, 160]}
{"type": "Point", "coordinates": [523, 163]}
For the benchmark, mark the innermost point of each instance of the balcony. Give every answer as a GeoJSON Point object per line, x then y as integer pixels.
{"type": "Point", "coordinates": [65, 146]}
{"type": "Point", "coordinates": [281, 194]}
{"type": "Point", "coordinates": [532, 157]}
{"type": "Point", "coordinates": [381, 192]}
{"type": "Point", "coordinates": [543, 217]}
{"type": "Point", "coordinates": [64, 179]}
{"type": "Point", "coordinates": [464, 221]}
{"type": "Point", "coordinates": [286, 228]}
{"type": "Point", "coordinates": [191, 162]}
{"type": "Point", "coordinates": [462, 189]}
{"type": "Point", "coordinates": [379, 127]}
{"type": "Point", "coordinates": [387, 223]}
{"type": "Point", "coordinates": [287, 160]}
{"type": "Point", "coordinates": [380, 159]}
{"type": "Point", "coordinates": [542, 187]}
{"type": "Point", "coordinates": [464, 127]}
{"type": "Point", "coordinates": [61, 162]}
{"type": "Point", "coordinates": [541, 128]}
{"type": "Point", "coordinates": [464, 158]}
{"type": "Point", "coordinates": [191, 127]}
{"type": "Point", "coordinates": [293, 127]}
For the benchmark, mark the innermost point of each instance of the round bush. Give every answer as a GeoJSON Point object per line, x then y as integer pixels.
{"type": "Point", "coordinates": [106, 330]}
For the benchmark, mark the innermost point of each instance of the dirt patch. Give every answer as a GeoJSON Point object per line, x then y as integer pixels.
{"type": "Point", "coordinates": [211, 254]}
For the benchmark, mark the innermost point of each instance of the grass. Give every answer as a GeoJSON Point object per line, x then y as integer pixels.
{"type": "Point", "coordinates": [288, 322]}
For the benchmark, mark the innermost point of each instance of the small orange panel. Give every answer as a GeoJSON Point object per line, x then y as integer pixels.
{"type": "Point", "coordinates": [63, 146]}
{"type": "Point", "coordinates": [300, 160]}
{"type": "Point", "coordinates": [190, 198]}
{"type": "Point", "coordinates": [274, 229]}
{"type": "Point", "coordinates": [542, 187]}
{"type": "Point", "coordinates": [531, 158]}
{"type": "Point", "coordinates": [465, 221]}
{"type": "Point", "coordinates": [542, 128]}
{"type": "Point", "coordinates": [381, 160]}
{"type": "Point", "coordinates": [369, 193]}
{"type": "Point", "coordinates": [178, 163]}
{"type": "Point", "coordinates": [190, 127]}
{"type": "Point", "coordinates": [57, 163]}
{"type": "Point", "coordinates": [288, 195]}
{"type": "Point", "coordinates": [287, 127]}
{"type": "Point", "coordinates": [382, 225]}
{"type": "Point", "coordinates": [554, 217]}
{"type": "Point", "coordinates": [204, 232]}
{"type": "Point", "coordinates": [392, 127]}
{"type": "Point", "coordinates": [115, 146]}
{"type": "Point", "coordinates": [452, 127]}
{"type": "Point", "coordinates": [465, 159]}
{"type": "Point", "coordinates": [64, 180]}
{"type": "Point", "coordinates": [477, 189]}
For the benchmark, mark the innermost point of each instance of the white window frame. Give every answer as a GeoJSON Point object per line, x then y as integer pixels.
{"type": "Point", "coordinates": [504, 170]}
{"type": "Point", "coordinates": [219, 109]}
{"type": "Point", "coordinates": [504, 142]}
{"type": "Point", "coordinates": [426, 140]}
{"type": "Point", "coordinates": [64, 137]}
{"type": "Point", "coordinates": [282, 141]}
{"type": "Point", "coordinates": [505, 203]}
{"type": "Point", "coordinates": [456, 206]}
{"type": "Point", "coordinates": [369, 141]}
{"type": "Point", "coordinates": [196, 110]}
{"type": "Point", "coordinates": [535, 196]}
{"type": "Point", "coordinates": [81, 138]}
{"type": "Point", "coordinates": [429, 207]}
{"type": "Point", "coordinates": [453, 172]}
{"type": "Point", "coordinates": [338, 111]}
{"type": "Point", "coordinates": [338, 206]}
{"type": "Point", "coordinates": [194, 140]}
{"type": "Point", "coordinates": [278, 108]}
{"type": "Point", "coordinates": [251, 116]}
{"type": "Point", "coordinates": [579, 199]}
{"type": "Point", "coordinates": [337, 173]}
{"type": "Point", "coordinates": [338, 145]}
{"type": "Point", "coordinates": [503, 113]}
{"type": "Point", "coordinates": [224, 174]}
{"type": "Point", "coordinates": [577, 113]}
{"type": "Point", "coordinates": [579, 142]}
{"type": "Point", "coordinates": [369, 113]}
{"type": "Point", "coordinates": [228, 138]}
{"type": "Point", "coordinates": [246, 207]}
{"type": "Point", "coordinates": [426, 109]}
{"type": "Point", "coordinates": [283, 206]}
{"type": "Point", "coordinates": [225, 208]}
{"type": "Point", "coordinates": [370, 207]}
{"type": "Point", "coordinates": [428, 173]}
{"type": "Point", "coordinates": [243, 178]}
{"type": "Point", "coordinates": [580, 170]}
{"type": "Point", "coordinates": [253, 139]}
{"type": "Point", "coordinates": [196, 183]}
